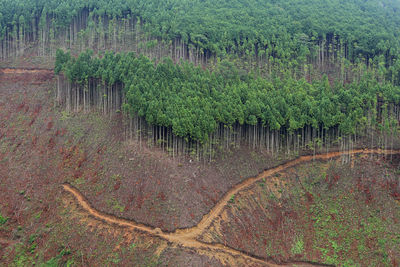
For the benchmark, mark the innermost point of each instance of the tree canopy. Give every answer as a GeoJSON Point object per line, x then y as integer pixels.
{"type": "Point", "coordinates": [291, 27]}
{"type": "Point", "coordinates": [193, 101]}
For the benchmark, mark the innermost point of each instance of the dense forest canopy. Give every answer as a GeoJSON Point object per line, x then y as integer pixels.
{"type": "Point", "coordinates": [292, 67]}
{"type": "Point", "coordinates": [193, 101]}
{"type": "Point", "coordinates": [370, 27]}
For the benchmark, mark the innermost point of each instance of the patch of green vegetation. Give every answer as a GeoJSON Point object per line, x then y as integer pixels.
{"type": "Point", "coordinates": [32, 243]}
{"type": "Point", "coordinates": [98, 187]}
{"type": "Point", "coordinates": [272, 248]}
{"type": "Point", "coordinates": [272, 196]}
{"type": "Point", "coordinates": [79, 181]}
{"type": "Point", "coordinates": [22, 258]}
{"type": "Point", "coordinates": [25, 253]}
{"type": "Point", "coordinates": [32, 238]}
{"type": "Point", "coordinates": [152, 261]}
{"type": "Point", "coordinates": [268, 249]}
{"type": "Point", "coordinates": [65, 115]}
{"type": "Point", "coordinates": [56, 261]}
{"type": "Point", "coordinates": [37, 215]}
{"type": "Point", "coordinates": [262, 183]}
{"type": "Point", "coordinates": [116, 177]}
{"type": "Point", "coordinates": [298, 247]}
{"type": "Point", "coordinates": [346, 231]}
{"type": "Point", "coordinates": [115, 258]}
{"type": "Point", "coordinates": [3, 220]}
{"type": "Point", "coordinates": [132, 246]}
{"type": "Point", "coordinates": [115, 205]}
{"type": "Point", "coordinates": [335, 231]}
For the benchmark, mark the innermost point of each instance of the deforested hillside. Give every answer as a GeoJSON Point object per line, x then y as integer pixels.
{"type": "Point", "coordinates": [199, 133]}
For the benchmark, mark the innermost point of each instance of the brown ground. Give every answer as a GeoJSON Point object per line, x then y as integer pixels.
{"type": "Point", "coordinates": [189, 237]}
{"type": "Point", "coordinates": [42, 147]}
{"type": "Point", "coordinates": [340, 214]}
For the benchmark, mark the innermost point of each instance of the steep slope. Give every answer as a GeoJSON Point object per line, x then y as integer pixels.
{"type": "Point", "coordinates": [42, 147]}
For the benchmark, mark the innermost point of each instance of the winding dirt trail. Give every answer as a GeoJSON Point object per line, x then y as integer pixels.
{"type": "Point", "coordinates": [209, 218]}
{"type": "Point", "coordinates": [187, 237]}
{"type": "Point", "coordinates": [171, 237]}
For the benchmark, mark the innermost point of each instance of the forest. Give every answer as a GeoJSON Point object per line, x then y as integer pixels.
{"type": "Point", "coordinates": [208, 74]}
{"type": "Point", "coordinates": [223, 107]}
{"type": "Point", "coordinates": [200, 132]}
{"type": "Point", "coordinates": [309, 38]}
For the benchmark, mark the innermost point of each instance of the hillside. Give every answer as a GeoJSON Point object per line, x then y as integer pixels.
{"type": "Point", "coordinates": [199, 133]}
{"type": "Point", "coordinates": [44, 224]}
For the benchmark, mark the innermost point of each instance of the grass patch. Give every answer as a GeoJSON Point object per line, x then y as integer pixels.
{"type": "Point", "coordinates": [3, 220]}
{"type": "Point", "coordinates": [115, 205]}
{"type": "Point", "coordinates": [298, 247]}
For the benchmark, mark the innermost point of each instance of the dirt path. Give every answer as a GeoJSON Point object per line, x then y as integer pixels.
{"type": "Point", "coordinates": [171, 237]}
{"type": "Point", "coordinates": [33, 76]}
{"type": "Point", "coordinates": [25, 71]}
{"type": "Point", "coordinates": [187, 237]}
{"type": "Point", "coordinates": [209, 218]}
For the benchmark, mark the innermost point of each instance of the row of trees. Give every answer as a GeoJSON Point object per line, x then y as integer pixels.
{"type": "Point", "coordinates": [307, 37]}
{"type": "Point", "coordinates": [183, 107]}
